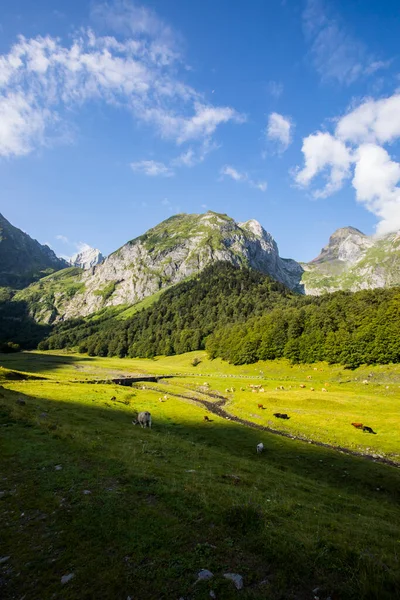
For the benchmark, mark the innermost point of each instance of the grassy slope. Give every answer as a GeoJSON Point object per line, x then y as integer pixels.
{"type": "Point", "coordinates": [161, 506]}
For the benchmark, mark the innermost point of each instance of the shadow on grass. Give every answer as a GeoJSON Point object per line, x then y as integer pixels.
{"type": "Point", "coordinates": [38, 362]}
{"type": "Point", "coordinates": [163, 504]}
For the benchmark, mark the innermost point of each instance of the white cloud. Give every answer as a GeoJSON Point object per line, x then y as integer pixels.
{"type": "Point", "coordinates": [82, 246]}
{"type": "Point", "coordinates": [324, 153]}
{"type": "Point", "coordinates": [152, 168]}
{"type": "Point", "coordinates": [357, 146]}
{"type": "Point", "coordinates": [372, 121]}
{"type": "Point", "coordinates": [336, 54]}
{"type": "Point", "coordinates": [375, 180]}
{"type": "Point", "coordinates": [192, 157]}
{"type": "Point", "coordinates": [275, 88]}
{"type": "Point", "coordinates": [229, 171]}
{"type": "Point", "coordinates": [279, 130]}
{"type": "Point", "coordinates": [233, 173]}
{"type": "Point", "coordinates": [63, 239]}
{"type": "Point", "coordinates": [140, 71]}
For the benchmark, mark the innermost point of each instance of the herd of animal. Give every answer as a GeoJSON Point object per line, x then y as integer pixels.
{"type": "Point", "coordinates": [144, 418]}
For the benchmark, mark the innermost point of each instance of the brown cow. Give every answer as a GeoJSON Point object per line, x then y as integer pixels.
{"type": "Point", "coordinates": [207, 419]}
{"type": "Point", "coordinates": [302, 385]}
{"type": "Point", "coordinates": [357, 425]}
{"type": "Point", "coordinates": [261, 406]}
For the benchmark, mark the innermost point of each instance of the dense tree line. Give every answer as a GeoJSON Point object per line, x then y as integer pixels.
{"type": "Point", "coordinates": [348, 328]}
{"type": "Point", "coordinates": [181, 319]}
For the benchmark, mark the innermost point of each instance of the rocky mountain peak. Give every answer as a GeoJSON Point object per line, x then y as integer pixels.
{"type": "Point", "coordinates": [86, 258]}
{"type": "Point", "coordinates": [346, 244]}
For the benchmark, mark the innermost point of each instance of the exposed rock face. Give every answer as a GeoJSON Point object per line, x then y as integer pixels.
{"type": "Point", "coordinates": [353, 261]}
{"type": "Point", "coordinates": [22, 259]}
{"type": "Point", "coordinates": [174, 250]}
{"type": "Point", "coordinates": [87, 258]}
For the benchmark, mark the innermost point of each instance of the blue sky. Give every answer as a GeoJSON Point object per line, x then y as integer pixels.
{"type": "Point", "coordinates": [115, 115]}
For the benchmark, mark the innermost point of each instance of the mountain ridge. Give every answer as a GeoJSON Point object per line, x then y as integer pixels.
{"type": "Point", "coordinates": [22, 258]}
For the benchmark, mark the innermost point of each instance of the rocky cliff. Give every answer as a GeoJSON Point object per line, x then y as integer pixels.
{"type": "Point", "coordinates": [353, 261]}
{"type": "Point", "coordinates": [22, 259]}
{"type": "Point", "coordinates": [174, 250]}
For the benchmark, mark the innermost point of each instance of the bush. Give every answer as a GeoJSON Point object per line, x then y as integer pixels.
{"type": "Point", "coordinates": [8, 347]}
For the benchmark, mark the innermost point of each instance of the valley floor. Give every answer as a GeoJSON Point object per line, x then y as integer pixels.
{"type": "Point", "coordinates": [132, 512]}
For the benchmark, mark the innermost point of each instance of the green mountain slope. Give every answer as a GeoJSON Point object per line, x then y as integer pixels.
{"type": "Point", "coordinates": [22, 259]}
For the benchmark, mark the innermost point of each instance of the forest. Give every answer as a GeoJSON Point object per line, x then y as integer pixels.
{"type": "Point", "coordinates": [243, 316]}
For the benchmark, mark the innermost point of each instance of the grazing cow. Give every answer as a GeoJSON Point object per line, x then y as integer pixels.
{"type": "Point", "coordinates": [143, 419]}
{"type": "Point", "coordinates": [357, 425]}
{"type": "Point", "coordinates": [312, 390]}
{"type": "Point", "coordinates": [165, 397]}
{"type": "Point", "coordinates": [207, 419]}
{"type": "Point", "coordinates": [261, 406]}
{"type": "Point", "coordinates": [260, 448]}
{"type": "Point", "coordinates": [302, 385]}
{"type": "Point", "coordinates": [309, 377]}
{"type": "Point", "coordinates": [324, 390]}
{"type": "Point", "coordinates": [365, 382]}
{"type": "Point", "coordinates": [242, 389]}
{"type": "Point", "coordinates": [113, 398]}
{"type": "Point", "coordinates": [368, 430]}
{"type": "Point", "coordinates": [281, 416]}
{"type": "Point", "coordinates": [254, 391]}
{"type": "Point", "coordinates": [262, 390]}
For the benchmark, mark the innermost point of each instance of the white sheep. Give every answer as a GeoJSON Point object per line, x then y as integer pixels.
{"type": "Point", "coordinates": [143, 419]}
{"type": "Point", "coordinates": [260, 448]}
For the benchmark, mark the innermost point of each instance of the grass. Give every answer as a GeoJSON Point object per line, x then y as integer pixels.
{"type": "Point", "coordinates": [164, 504]}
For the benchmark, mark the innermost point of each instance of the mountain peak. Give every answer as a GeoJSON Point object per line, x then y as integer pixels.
{"type": "Point", "coordinates": [85, 259]}
{"type": "Point", "coordinates": [346, 244]}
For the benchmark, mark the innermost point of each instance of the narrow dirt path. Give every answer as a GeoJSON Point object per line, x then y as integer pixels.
{"type": "Point", "coordinates": [216, 407]}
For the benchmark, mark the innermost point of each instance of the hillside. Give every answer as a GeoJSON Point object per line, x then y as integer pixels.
{"type": "Point", "coordinates": [121, 512]}
{"type": "Point", "coordinates": [22, 259]}
{"type": "Point", "coordinates": [171, 252]}
{"type": "Point", "coordinates": [353, 261]}
{"type": "Point", "coordinates": [181, 317]}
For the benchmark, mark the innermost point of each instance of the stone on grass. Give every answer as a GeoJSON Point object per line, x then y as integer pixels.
{"type": "Point", "coordinates": [237, 579]}
{"type": "Point", "coordinates": [213, 594]}
{"type": "Point", "coordinates": [4, 559]}
{"type": "Point", "coordinates": [58, 467]}
{"type": "Point", "coordinates": [67, 578]}
{"type": "Point", "coordinates": [204, 575]}
{"type": "Point", "coordinates": [86, 492]}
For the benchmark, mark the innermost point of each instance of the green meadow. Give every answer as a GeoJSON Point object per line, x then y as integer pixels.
{"type": "Point", "coordinates": [133, 512]}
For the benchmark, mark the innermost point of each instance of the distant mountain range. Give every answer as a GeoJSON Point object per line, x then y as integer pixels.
{"type": "Point", "coordinates": [178, 249]}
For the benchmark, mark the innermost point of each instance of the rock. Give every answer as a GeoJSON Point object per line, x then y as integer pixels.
{"type": "Point", "coordinates": [67, 578]}
{"type": "Point", "coordinates": [86, 492]}
{"type": "Point", "coordinates": [58, 467]}
{"type": "Point", "coordinates": [204, 575]}
{"type": "Point", "coordinates": [4, 559]}
{"type": "Point", "coordinates": [20, 401]}
{"type": "Point", "coordinates": [212, 594]}
{"type": "Point", "coordinates": [237, 579]}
